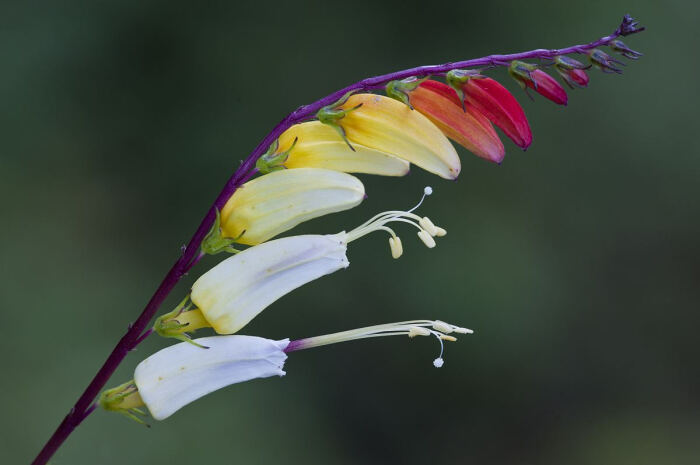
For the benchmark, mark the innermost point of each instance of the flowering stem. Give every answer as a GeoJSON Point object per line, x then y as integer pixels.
{"type": "Point", "coordinates": [137, 331]}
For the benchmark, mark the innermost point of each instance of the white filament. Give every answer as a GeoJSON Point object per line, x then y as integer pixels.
{"type": "Point", "coordinates": [413, 328]}
{"type": "Point", "coordinates": [426, 229]}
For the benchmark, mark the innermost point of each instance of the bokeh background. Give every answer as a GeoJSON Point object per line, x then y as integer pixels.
{"type": "Point", "coordinates": [577, 263]}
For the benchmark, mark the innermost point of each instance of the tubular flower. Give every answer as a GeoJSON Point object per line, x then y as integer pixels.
{"type": "Point", "coordinates": [530, 76]}
{"type": "Point", "coordinates": [387, 125]}
{"type": "Point", "coordinates": [177, 375]}
{"type": "Point", "coordinates": [498, 105]}
{"type": "Point", "coordinates": [468, 127]}
{"type": "Point", "coordinates": [318, 146]}
{"type": "Point", "coordinates": [180, 374]}
{"type": "Point", "coordinates": [274, 203]}
{"type": "Point", "coordinates": [232, 293]}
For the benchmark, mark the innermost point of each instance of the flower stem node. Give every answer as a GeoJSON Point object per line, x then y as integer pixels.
{"type": "Point", "coordinates": [458, 77]}
{"type": "Point", "coordinates": [124, 399]}
{"type": "Point", "coordinates": [604, 62]}
{"type": "Point", "coordinates": [272, 160]}
{"type": "Point", "coordinates": [331, 115]}
{"type": "Point", "coordinates": [399, 89]}
{"type": "Point", "coordinates": [620, 47]}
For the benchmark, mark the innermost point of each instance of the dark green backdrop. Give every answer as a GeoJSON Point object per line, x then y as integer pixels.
{"type": "Point", "coordinates": [576, 262]}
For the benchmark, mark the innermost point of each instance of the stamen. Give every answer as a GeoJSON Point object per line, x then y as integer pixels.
{"type": "Point", "coordinates": [414, 328]}
{"type": "Point", "coordinates": [427, 239]}
{"type": "Point", "coordinates": [418, 331]}
{"type": "Point", "coordinates": [396, 246]}
{"type": "Point", "coordinates": [426, 228]}
{"type": "Point", "coordinates": [428, 225]}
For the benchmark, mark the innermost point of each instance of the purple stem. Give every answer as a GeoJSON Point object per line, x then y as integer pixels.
{"type": "Point", "coordinates": [191, 255]}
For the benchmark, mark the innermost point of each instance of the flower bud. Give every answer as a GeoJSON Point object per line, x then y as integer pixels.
{"type": "Point", "coordinates": [604, 62]}
{"type": "Point", "coordinates": [318, 146]}
{"type": "Point", "coordinates": [278, 201]}
{"type": "Point", "coordinates": [384, 124]}
{"type": "Point", "coordinates": [468, 127]}
{"type": "Point", "coordinates": [495, 102]}
{"type": "Point", "coordinates": [530, 76]}
{"type": "Point", "coordinates": [572, 71]}
{"type": "Point", "coordinates": [620, 47]}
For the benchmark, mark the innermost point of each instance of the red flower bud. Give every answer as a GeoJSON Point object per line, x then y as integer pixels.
{"type": "Point", "coordinates": [471, 129]}
{"type": "Point", "coordinates": [495, 102]}
{"type": "Point", "coordinates": [548, 87]}
{"type": "Point", "coordinates": [571, 71]}
{"type": "Point", "coordinates": [530, 76]}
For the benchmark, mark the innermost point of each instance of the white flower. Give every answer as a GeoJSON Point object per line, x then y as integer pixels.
{"type": "Point", "coordinates": [239, 288]}
{"type": "Point", "coordinates": [236, 290]}
{"type": "Point", "coordinates": [181, 374]}
{"type": "Point", "coordinates": [173, 377]}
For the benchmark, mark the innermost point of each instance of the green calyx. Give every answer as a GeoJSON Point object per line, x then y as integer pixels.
{"type": "Point", "coordinates": [214, 242]}
{"type": "Point", "coordinates": [124, 399]}
{"type": "Point", "coordinates": [331, 115]}
{"type": "Point", "coordinates": [272, 160]}
{"type": "Point", "coordinates": [458, 77]}
{"type": "Point", "coordinates": [399, 89]}
{"type": "Point", "coordinates": [183, 319]}
{"type": "Point", "coordinates": [522, 73]}
{"type": "Point", "coordinates": [563, 63]}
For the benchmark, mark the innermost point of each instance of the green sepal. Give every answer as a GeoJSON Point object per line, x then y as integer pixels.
{"type": "Point", "coordinates": [125, 400]}
{"type": "Point", "coordinates": [522, 73]}
{"type": "Point", "coordinates": [214, 243]}
{"type": "Point", "coordinates": [272, 160]}
{"type": "Point", "coordinates": [169, 326]}
{"type": "Point", "coordinates": [331, 115]}
{"type": "Point", "coordinates": [456, 78]}
{"type": "Point", "coordinates": [399, 89]}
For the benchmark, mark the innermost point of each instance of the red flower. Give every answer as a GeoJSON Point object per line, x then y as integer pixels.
{"type": "Point", "coordinates": [495, 102]}
{"type": "Point", "coordinates": [470, 128]}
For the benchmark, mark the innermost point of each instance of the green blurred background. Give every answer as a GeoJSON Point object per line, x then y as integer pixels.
{"type": "Point", "coordinates": [577, 263]}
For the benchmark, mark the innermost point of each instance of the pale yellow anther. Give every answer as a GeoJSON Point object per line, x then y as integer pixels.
{"type": "Point", "coordinates": [463, 330]}
{"type": "Point", "coordinates": [439, 232]}
{"type": "Point", "coordinates": [426, 238]}
{"type": "Point", "coordinates": [428, 225]}
{"type": "Point", "coordinates": [418, 331]}
{"type": "Point", "coordinates": [396, 246]}
{"type": "Point", "coordinates": [442, 327]}
{"type": "Point", "coordinates": [448, 338]}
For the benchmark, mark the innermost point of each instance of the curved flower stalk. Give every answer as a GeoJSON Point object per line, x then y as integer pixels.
{"type": "Point", "coordinates": [372, 121]}
{"type": "Point", "coordinates": [231, 294]}
{"type": "Point", "coordinates": [178, 375]}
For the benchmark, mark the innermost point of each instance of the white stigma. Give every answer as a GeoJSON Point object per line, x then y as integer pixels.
{"type": "Point", "coordinates": [438, 329]}
{"type": "Point", "coordinates": [426, 228]}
